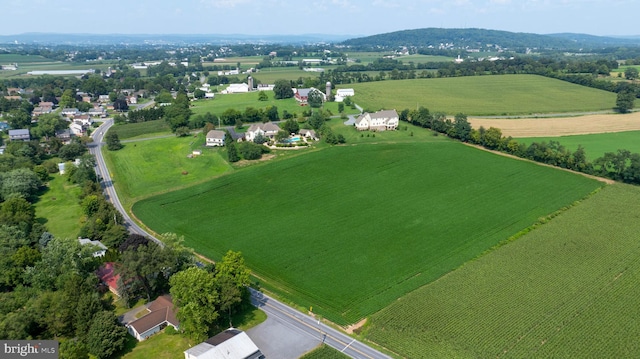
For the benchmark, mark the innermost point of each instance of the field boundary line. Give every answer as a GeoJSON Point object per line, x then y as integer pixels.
{"type": "Point", "coordinates": [601, 179]}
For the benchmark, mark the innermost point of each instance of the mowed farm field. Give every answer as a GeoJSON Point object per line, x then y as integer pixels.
{"type": "Point", "coordinates": [595, 145]}
{"type": "Point", "coordinates": [483, 95]}
{"type": "Point", "coordinates": [350, 229]}
{"type": "Point", "coordinates": [565, 290]}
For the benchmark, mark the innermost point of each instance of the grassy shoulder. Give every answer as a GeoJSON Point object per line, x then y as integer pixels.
{"type": "Point", "coordinates": [58, 208]}
{"type": "Point", "coordinates": [324, 352]}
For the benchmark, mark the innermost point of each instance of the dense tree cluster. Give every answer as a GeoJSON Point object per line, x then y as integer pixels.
{"type": "Point", "coordinates": [204, 296]}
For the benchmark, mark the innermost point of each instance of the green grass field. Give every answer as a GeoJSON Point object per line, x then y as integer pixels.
{"type": "Point", "coordinates": [324, 352]}
{"type": "Point", "coordinates": [141, 129]}
{"type": "Point", "coordinates": [350, 229]}
{"type": "Point", "coordinates": [243, 100]}
{"type": "Point", "coordinates": [59, 209]}
{"type": "Point", "coordinates": [483, 95]}
{"type": "Point", "coordinates": [566, 290]}
{"type": "Point", "coordinates": [6, 59]}
{"type": "Point", "coordinates": [595, 145]}
{"type": "Point", "coordinates": [142, 168]}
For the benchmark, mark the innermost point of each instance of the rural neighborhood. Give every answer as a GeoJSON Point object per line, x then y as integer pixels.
{"type": "Point", "coordinates": [427, 193]}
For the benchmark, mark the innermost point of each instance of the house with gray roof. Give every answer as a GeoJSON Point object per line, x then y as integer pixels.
{"type": "Point", "coordinates": [378, 121]}
{"type": "Point", "coordinates": [230, 344]}
{"type": "Point", "coordinates": [215, 138]}
{"type": "Point", "coordinates": [19, 135]}
{"type": "Point", "coordinates": [269, 130]}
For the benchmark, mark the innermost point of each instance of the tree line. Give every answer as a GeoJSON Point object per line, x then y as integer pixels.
{"type": "Point", "coordinates": [621, 165]}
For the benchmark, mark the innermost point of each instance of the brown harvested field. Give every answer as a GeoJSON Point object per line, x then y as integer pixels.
{"type": "Point", "coordinates": [561, 126]}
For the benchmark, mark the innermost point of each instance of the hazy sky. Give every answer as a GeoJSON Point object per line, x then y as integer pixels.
{"type": "Point", "coordinates": [349, 17]}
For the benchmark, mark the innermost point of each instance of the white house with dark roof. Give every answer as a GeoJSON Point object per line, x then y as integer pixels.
{"type": "Point", "coordinates": [230, 344]}
{"type": "Point", "coordinates": [378, 121]}
{"type": "Point", "coordinates": [268, 129]}
{"type": "Point", "coordinates": [101, 249]}
{"type": "Point", "coordinates": [161, 314]}
{"type": "Point", "coordinates": [215, 138]}
{"type": "Point", "coordinates": [19, 135]}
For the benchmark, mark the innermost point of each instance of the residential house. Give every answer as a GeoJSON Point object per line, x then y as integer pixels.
{"type": "Point", "coordinates": [70, 112]}
{"type": "Point", "coordinates": [19, 135]}
{"type": "Point", "coordinates": [310, 134]}
{"type": "Point", "coordinates": [44, 104]}
{"type": "Point", "coordinates": [13, 97]}
{"type": "Point", "coordinates": [78, 128]}
{"type": "Point", "coordinates": [215, 138]}
{"type": "Point", "coordinates": [97, 112]}
{"type": "Point", "coordinates": [378, 121]}
{"type": "Point", "coordinates": [103, 98]}
{"type": "Point", "coordinates": [86, 98]}
{"type": "Point", "coordinates": [268, 130]}
{"type": "Point", "coordinates": [109, 277]}
{"type": "Point", "coordinates": [230, 344]}
{"type": "Point", "coordinates": [64, 135]}
{"type": "Point", "coordinates": [132, 100]}
{"type": "Point", "coordinates": [101, 248]}
{"type": "Point", "coordinates": [39, 110]}
{"type": "Point", "coordinates": [161, 313]}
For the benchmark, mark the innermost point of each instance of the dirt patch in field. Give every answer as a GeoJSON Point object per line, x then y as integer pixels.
{"type": "Point", "coordinates": [353, 327]}
{"type": "Point", "coordinates": [561, 126]}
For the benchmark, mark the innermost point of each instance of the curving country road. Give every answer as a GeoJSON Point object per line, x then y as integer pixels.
{"type": "Point", "coordinates": [293, 318]}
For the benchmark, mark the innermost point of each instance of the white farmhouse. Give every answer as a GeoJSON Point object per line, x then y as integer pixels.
{"type": "Point", "coordinates": [265, 129]}
{"type": "Point", "coordinates": [215, 138]}
{"type": "Point", "coordinates": [378, 121]}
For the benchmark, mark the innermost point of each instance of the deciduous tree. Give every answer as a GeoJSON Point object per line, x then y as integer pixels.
{"type": "Point", "coordinates": [195, 293]}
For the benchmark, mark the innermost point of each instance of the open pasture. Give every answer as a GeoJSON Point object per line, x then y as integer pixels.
{"type": "Point", "coordinates": [145, 167]}
{"type": "Point", "coordinates": [349, 229]}
{"type": "Point", "coordinates": [141, 129]}
{"type": "Point", "coordinates": [58, 208]}
{"type": "Point", "coordinates": [595, 145]}
{"type": "Point", "coordinates": [565, 290]}
{"type": "Point", "coordinates": [483, 95]}
{"type": "Point", "coordinates": [240, 101]}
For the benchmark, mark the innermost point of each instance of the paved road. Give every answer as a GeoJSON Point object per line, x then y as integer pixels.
{"type": "Point", "coordinates": [314, 328]}
{"type": "Point", "coordinates": [103, 173]}
{"type": "Point", "coordinates": [303, 323]}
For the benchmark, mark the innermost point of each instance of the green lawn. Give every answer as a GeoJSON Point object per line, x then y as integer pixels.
{"type": "Point", "coordinates": [565, 290]}
{"type": "Point", "coordinates": [595, 145]}
{"type": "Point", "coordinates": [159, 346]}
{"type": "Point", "coordinates": [145, 167]}
{"type": "Point", "coordinates": [59, 209]}
{"type": "Point", "coordinates": [350, 229]}
{"type": "Point", "coordinates": [324, 352]}
{"type": "Point", "coordinates": [483, 95]}
{"type": "Point", "coordinates": [141, 129]}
